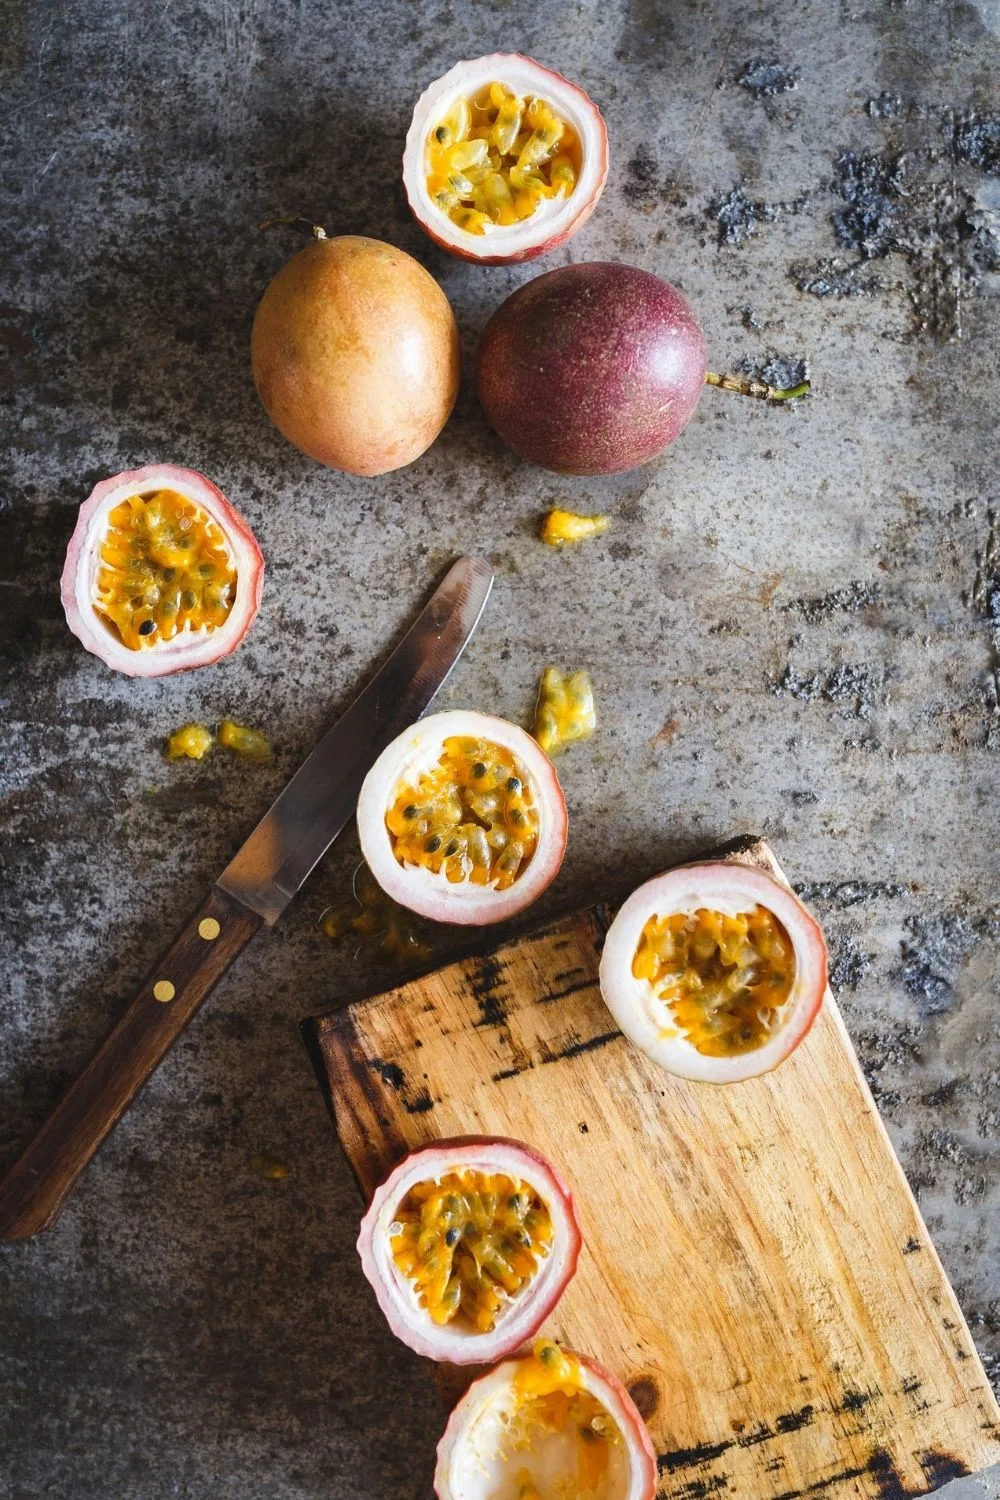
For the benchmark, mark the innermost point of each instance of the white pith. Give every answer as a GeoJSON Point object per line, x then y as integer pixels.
{"type": "Point", "coordinates": [732, 889]}
{"type": "Point", "coordinates": [430, 893]}
{"type": "Point", "coordinates": [520, 1317]}
{"type": "Point", "coordinates": [191, 645]}
{"type": "Point", "coordinates": [553, 216]}
{"type": "Point", "coordinates": [478, 1461]}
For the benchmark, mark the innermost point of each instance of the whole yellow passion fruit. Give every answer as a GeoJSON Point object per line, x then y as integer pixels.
{"type": "Point", "coordinates": [355, 354]}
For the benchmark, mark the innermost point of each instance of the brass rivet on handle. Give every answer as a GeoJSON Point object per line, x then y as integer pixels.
{"type": "Point", "coordinates": [163, 990]}
{"type": "Point", "coordinates": [209, 929]}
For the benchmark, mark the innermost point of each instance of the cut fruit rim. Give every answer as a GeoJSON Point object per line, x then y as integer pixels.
{"type": "Point", "coordinates": [732, 889]}
{"type": "Point", "coordinates": [430, 893]}
{"type": "Point", "coordinates": [80, 581]}
{"type": "Point", "coordinates": [520, 1318]}
{"type": "Point", "coordinates": [472, 1453]}
{"type": "Point", "coordinates": [554, 218]}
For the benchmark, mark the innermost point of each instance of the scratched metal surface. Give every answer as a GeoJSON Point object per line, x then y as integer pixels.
{"type": "Point", "coordinates": [792, 628]}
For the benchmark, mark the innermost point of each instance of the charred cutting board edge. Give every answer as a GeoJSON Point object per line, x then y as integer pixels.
{"type": "Point", "coordinates": [785, 1323]}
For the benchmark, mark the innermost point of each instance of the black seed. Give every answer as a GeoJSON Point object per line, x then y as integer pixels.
{"type": "Point", "coordinates": [441, 135]}
{"type": "Point", "coordinates": [452, 848]}
{"type": "Point", "coordinates": [168, 574]}
{"type": "Point", "coordinates": [479, 770]}
{"type": "Point", "coordinates": [453, 1236]}
{"type": "Point", "coordinates": [513, 783]}
{"type": "Point", "coordinates": [189, 599]}
{"type": "Point", "coordinates": [433, 844]}
{"type": "Point", "coordinates": [409, 811]}
{"type": "Point", "coordinates": [147, 627]}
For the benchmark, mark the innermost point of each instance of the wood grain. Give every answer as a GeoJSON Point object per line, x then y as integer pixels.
{"type": "Point", "coordinates": [755, 1266]}
{"type": "Point", "coordinates": [35, 1189]}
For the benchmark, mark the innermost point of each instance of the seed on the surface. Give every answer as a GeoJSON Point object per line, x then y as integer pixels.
{"type": "Point", "coordinates": [479, 770]}
{"type": "Point", "coordinates": [409, 811]}
{"type": "Point", "coordinates": [453, 1236]}
{"type": "Point", "coordinates": [147, 627]}
{"type": "Point", "coordinates": [189, 598]}
{"type": "Point", "coordinates": [513, 783]}
{"type": "Point", "coordinates": [433, 844]}
{"type": "Point", "coordinates": [451, 848]}
{"type": "Point", "coordinates": [207, 570]}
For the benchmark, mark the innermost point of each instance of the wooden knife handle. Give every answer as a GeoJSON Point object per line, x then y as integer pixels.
{"type": "Point", "coordinates": [34, 1191]}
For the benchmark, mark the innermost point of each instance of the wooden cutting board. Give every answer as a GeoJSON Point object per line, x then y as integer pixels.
{"type": "Point", "coordinates": [755, 1267]}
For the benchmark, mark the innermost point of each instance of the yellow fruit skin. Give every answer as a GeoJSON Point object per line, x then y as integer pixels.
{"type": "Point", "coordinates": [355, 355]}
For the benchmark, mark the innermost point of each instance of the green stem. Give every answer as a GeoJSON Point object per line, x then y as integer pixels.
{"type": "Point", "coordinates": [296, 221]}
{"type": "Point", "coordinates": [749, 385]}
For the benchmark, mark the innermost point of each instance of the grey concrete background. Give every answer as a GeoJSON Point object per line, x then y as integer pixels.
{"type": "Point", "coordinates": [792, 628]}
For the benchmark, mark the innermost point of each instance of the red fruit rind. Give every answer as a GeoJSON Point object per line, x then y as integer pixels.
{"type": "Point", "coordinates": [188, 649]}
{"type": "Point", "coordinates": [411, 1323]}
{"type": "Point", "coordinates": [553, 222]}
{"type": "Point", "coordinates": [730, 888]}
{"type": "Point", "coordinates": [432, 895]}
{"type": "Point", "coordinates": [593, 368]}
{"type": "Point", "coordinates": [463, 1469]}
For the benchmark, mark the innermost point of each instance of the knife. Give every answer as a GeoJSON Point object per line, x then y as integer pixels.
{"type": "Point", "coordinates": [251, 892]}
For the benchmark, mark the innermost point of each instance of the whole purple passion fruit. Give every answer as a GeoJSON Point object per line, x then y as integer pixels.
{"type": "Point", "coordinates": [591, 369]}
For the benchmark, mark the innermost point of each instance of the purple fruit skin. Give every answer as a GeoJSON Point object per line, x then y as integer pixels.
{"type": "Point", "coordinates": [592, 368]}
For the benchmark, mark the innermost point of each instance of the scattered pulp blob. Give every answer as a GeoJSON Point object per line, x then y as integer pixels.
{"type": "Point", "coordinates": [355, 354]}
{"type": "Point", "coordinates": [462, 819]}
{"type": "Point", "coordinates": [552, 1422]}
{"type": "Point", "coordinates": [504, 159]}
{"type": "Point", "coordinates": [162, 574]}
{"type": "Point", "coordinates": [715, 971]}
{"type": "Point", "coordinates": [469, 1245]}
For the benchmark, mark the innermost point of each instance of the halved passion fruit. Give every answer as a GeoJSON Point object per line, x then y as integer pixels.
{"type": "Point", "coordinates": [715, 970]}
{"type": "Point", "coordinates": [462, 819]}
{"type": "Point", "coordinates": [161, 574]}
{"type": "Point", "coordinates": [469, 1245]}
{"type": "Point", "coordinates": [504, 159]}
{"type": "Point", "coordinates": [552, 1423]}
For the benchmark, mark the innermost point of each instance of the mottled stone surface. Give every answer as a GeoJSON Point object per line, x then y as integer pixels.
{"type": "Point", "coordinates": [792, 628]}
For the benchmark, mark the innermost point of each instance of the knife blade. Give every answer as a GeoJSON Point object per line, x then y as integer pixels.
{"type": "Point", "coordinates": [254, 889]}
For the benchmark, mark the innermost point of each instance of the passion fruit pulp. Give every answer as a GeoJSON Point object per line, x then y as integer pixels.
{"type": "Point", "coordinates": [470, 1241]}
{"type": "Point", "coordinates": [552, 1422]}
{"type": "Point", "coordinates": [469, 1245]}
{"type": "Point", "coordinates": [162, 573]}
{"type": "Point", "coordinates": [715, 971]}
{"type": "Point", "coordinates": [355, 354]}
{"type": "Point", "coordinates": [462, 819]}
{"type": "Point", "coordinates": [504, 159]}
{"type": "Point", "coordinates": [470, 816]}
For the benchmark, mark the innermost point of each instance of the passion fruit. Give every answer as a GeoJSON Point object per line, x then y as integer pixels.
{"type": "Point", "coordinates": [162, 574]}
{"type": "Point", "coordinates": [462, 819]}
{"type": "Point", "coordinates": [355, 354]}
{"type": "Point", "coordinates": [504, 160]}
{"type": "Point", "coordinates": [552, 1422]}
{"type": "Point", "coordinates": [596, 368]}
{"type": "Point", "coordinates": [469, 1244]}
{"type": "Point", "coordinates": [715, 971]}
